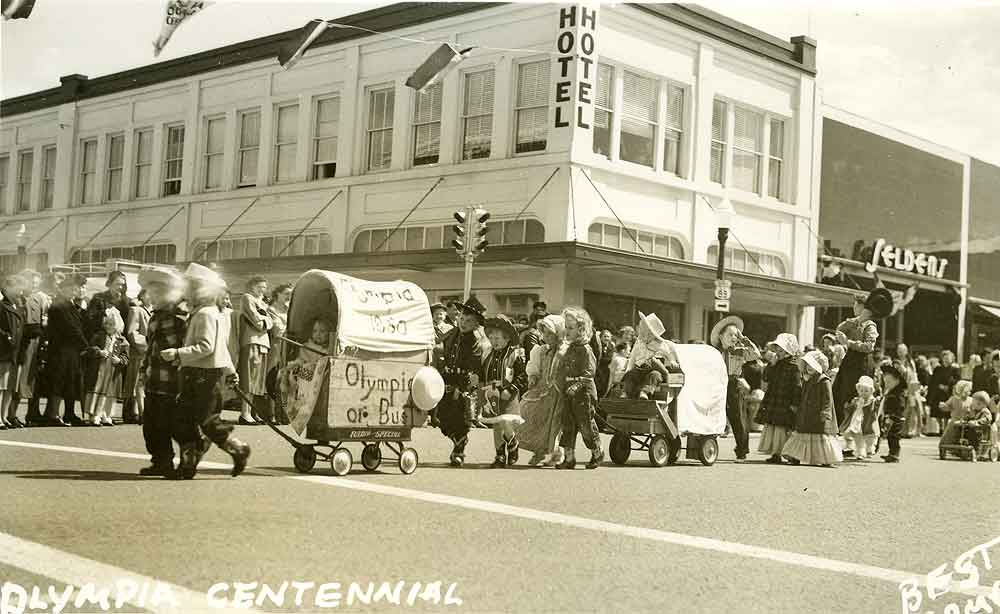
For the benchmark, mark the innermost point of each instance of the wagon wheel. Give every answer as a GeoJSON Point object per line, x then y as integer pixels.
{"type": "Point", "coordinates": [408, 460]}
{"type": "Point", "coordinates": [994, 454]}
{"type": "Point", "coordinates": [659, 451]}
{"type": "Point", "coordinates": [942, 453]}
{"type": "Point", "coordinates": [675, 450]}
{"type": "Point", "coordinates": [620, 448]}
{"type": "Point", "coordinates": [304, 459]}
{"type": "Point", "coordinates": [709, 451]}
{"type": "Point", "coordinates": [371, 456]}
{"type": "Point", "coordinates": [341, 461]}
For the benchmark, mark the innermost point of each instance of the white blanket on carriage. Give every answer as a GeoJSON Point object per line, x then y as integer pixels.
{"type": "Point", "coordinates": [701, 404]}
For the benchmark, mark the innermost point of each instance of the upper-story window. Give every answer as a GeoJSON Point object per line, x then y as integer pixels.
{"type": "Point", "coordinates": [604, 104]}
{"type": "Point", "coordinates": [173, 161]}
{"type": "Point", "coordinates": [751, 262]}
{"type": "Point", "coordinates": [776, 158]}
{"type": "Point", "coordinates": [48, 176]}
{"type": "Point", "coordinates": [719, 141]}
{"type": "Point", "coordinates": [477, 115]}
{"type": "Point", "coordinates": [263, 246]}
{"type": "Point", "coordinates": [638, 119]}
{"type": "Point", "coordinates": [673, 129]}
{"type": "Point", "coordinates": [215, 148]}
{"type": "Point", "coordinates": [163, 253]}
{"type": "Point", "coordinates": [4, 180]}
{"type": "Point", "coordinates": [286, 142]}
{"type": "Point", "coordinates": [531, 110]}
{"type": "Point", "coordinates": [381, 103]}
{"type": "Point", "coordinates": [325, 141]}
{"type": "Point", "coordinates": [748, 147]}
{"type": "Point", "coordinates": [633, 240]}
{"type": "Point", "coordinates": [143, 162]}
{"type": "Point", "coordinates": [246, 169]}
{"type": "Point", "coordinates": [88, 172]}
{"type": "Point", "coordinates": [26, 161]}
{"type": "Point", "coordinates": [427, 126]}
{"type": "Point", "coordinates": [512, 232]}
{"type": "Point", "coordinates": [116, 166]}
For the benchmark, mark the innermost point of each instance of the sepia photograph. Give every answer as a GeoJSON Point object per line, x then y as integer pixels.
{"type": "Point", "coordinates": [499, 307]}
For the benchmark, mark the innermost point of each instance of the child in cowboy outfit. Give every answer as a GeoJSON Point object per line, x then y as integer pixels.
{"type": "Point", "coordinates": [579, 367]}
{"type": "Point", "coordinates": [505, 378]}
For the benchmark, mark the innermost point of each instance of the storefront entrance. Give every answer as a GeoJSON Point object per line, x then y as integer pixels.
{"type": "Point", "coordinates": [612, 311]}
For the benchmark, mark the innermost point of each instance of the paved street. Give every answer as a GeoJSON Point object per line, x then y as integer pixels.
{"type": "Point", "coordinates": [730, 538]}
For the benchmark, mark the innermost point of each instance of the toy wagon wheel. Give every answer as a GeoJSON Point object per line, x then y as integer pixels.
{"type": "Point", "coordinates": [408, 460]}
{"type": "Point", "coordinates": [659, 451]}
{"type": "Point", "coordinates": [620, 448]}
{"type": "Point", "coordinates": [304, 459]}
{"type": "Point", "coordinates": [942, 453]}
{"type": "Point", "coordinates": [371, 456]}
{"type": "Point", "coordinates": [341, 461]}
{"type": "Point", "coordinates": [709, 451]}
{"type": "Point", "coordinates": [994, 454]}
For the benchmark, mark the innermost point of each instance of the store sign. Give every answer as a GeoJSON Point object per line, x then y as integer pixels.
{"type": "Point", "coordinates": [901, 259]}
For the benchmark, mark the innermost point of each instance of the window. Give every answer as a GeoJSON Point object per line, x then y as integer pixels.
{"type": "Point", "coordinates": [164, 253]}
{"type": "Point", "coordinates": [4, 170]}
{"type": "Point", "coordinates": [286, 143]}
{"type": "Point", "coordinates": [88, 172]}
{"type": "Point", "coordinates": [747, 146]}
{"type": "Point", "coordinates": [265, 246]}
{"type": "Point", "coordinates": [380, 114]}
{"type": "Point", "coordinates": [116, 165]}
{"type": "Point", "coordinates": [673, 129]}
{"type": "Point", "coordinates": [776, 158]}
{"type": "Point", "coordinates": [638, 119]}
{"type": "Point", "coordinates": [477, 115]}
{"type": "Point", "coordinates": [610, 235]}
{"type": "Point", "coordinates": [427, 126]}
{"type": "Point", "coordinates": [25, 162]}
{"type": "Point", "coordinates": [750, 262]}
{"type": "Point", "coordinates": [325, 141]}
{"type": "Point", "coordinates": [13, 262]}
{"type": "Point", "coordinates": [215, 147]}
{"type": "Point", "coordinates": [48, 176]}
{"type": "Point", "coordinates": [435, 237]}
{"type": "Point", "coordinates": [249, 147]}
{"type": "Point", "coordinates": [719, 142]}
{"type": "Point", "coordinates": [604, 110]}
{"type": "Point", "coordinates": [532, 107]}
{"type": "Point", "coordinates": [143, 161]}
{"type": "Point", "coordinates": [173, 161]}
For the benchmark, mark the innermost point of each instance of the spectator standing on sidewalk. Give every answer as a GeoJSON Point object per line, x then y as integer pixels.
{"type": "Point", "coordinates": [11, 330]}
{"type": "Point", "coordinates": [281, 298]}
{"type": "Point", "coordinates": [135, 333]}
{"type": "Point", "coordinates": [64, 372]}
{"type": "Point", "coordinates": [36, 305]}
{"type": "Point", "coordinates": [255, 344]}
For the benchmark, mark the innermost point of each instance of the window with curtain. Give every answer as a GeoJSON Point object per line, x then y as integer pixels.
{"type": "Point", "coordinates": [427, 126]}
{"type": "Point", "coordinates": [116, 166]}
{"type": "Point", "coordinates": [4, 179]}
{"type": "Point", "coordinates": [776, 159]}
{"type": "Point", "coordinates": [381, 105]}
{"type": "Point", "coordinates": [604, 110]}
{"type": "Point", "coordinates": [249, 149]}
{"type": "Point", "coordinates": [738, 259]}
{"type": "Point", "coordinates": [143, 162]}
{"type": "Point", "coordinates": [532, 107]}
{"type": "Point", "coordinates": [88, 172]}
{"type": "Point", "coordinates": [719, 141]}
{"type": "Point", "coordinates": [477, 115]}
{"type": "Point", "coordinates": [747, 145]}
{"type": "Point", "coordinates": [26, 161]}
{"type": "Point", "coordinates": [631, 239]}
{"type": "Point", "coordinates": [638, 119]}
{"type": "Point", "coordinates": [215, 147]}
{"type": "Point", "coordinates": [326, 139]}
{"type": "Point", "coordinates": [673, 129]}
{"type": "Point", "coordinates": [173, 162]}
{"type": "Point", "coordinates": [286, 139]}
{"type": "Point", "coordinates": [48, 177]}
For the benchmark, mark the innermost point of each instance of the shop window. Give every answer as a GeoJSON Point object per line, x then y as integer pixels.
{"type": "Point", "coordinates": [612, 311]}
{"type": "Point", "coordinates": [48, 177]}
{"type": "Point", "coordinates": [532, 107]}
{"type": "Point", "coordinates": [26, 161]}
{"type": "Point", "coordinates": [477, 115]}
{"type": "Point", "coordinates": [116, 165]}
{"type": "Point", "coordinates": [738, 259]}
{"type": "Point", "coordinates": [143, 162]}
{"type": "Point", "coordinates": [270, 246]}
{"type": "Point", "coordinates": [249, 149]}
{"type": "Point", "coordinates": [215, 147]}
{"type": "Point", "coordinates": [88, 172]}
{"type": "Point", "coordinates": [604, 110]}
{"type": "Point", "coordinates": [381, 105]}
{"type": "Point", "coordinates": [427, 126]}
{"type": "Point", "coordinates": [433, 237]}
{"type": "Point", "coordinates": [173, 162]}
{"type": "Point", "coordinates": [13, 262]}
{"type": "Point", "coordinates": [610, 235]}
{"type": "Point", "coordinates": [326, 139]}
{"type": "Point", "coordinates": [638, 119]}
{"type": "Point", "coordinates": [286, 142]}
{"type": "Point", "coordinates": [4, 170]}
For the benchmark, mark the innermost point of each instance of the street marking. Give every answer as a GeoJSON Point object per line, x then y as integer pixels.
{"type": "Point", "coordinates": [893, 576]}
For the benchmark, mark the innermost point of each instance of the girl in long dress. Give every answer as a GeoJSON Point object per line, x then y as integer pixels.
{"type": "Point", "coordinates": [541, 404]}
{"type": "Point", "coordinates": [781, 401]}
{"type": "Point", "coordinates": [815, 439]}
{"type": "Point", "coordinates": [109, 353]}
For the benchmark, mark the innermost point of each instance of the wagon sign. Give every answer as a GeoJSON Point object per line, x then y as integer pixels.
{"type": "Point", "coordinates": [370, 395]}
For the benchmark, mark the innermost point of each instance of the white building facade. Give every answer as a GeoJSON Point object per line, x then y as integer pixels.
{"type": "Point", "coordinates": [600, 138]}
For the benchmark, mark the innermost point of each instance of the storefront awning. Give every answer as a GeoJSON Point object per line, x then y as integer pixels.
{"type": "Point", "coordinates": [589, 257]}
{"type": "Point", "coordinates": [994, 311]}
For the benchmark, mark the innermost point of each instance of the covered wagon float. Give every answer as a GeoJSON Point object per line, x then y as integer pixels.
{"type": "Point", "coordinates": [357, 369]}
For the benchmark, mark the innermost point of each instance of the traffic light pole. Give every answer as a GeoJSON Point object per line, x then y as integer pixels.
{"type": "Point", "coordinates": [467, 288]}
{"type": "Point", "coordinates": [470, 240]}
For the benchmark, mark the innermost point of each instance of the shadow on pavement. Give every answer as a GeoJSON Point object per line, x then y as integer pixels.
{"type": "Point", "coordinates": [98, 476]}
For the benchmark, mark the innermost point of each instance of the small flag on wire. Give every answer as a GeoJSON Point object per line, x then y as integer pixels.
{"type": "Point", "coordinates": [901, 299]}
{"type": "Point", "coordinates": [289, 54]}
{"type": "Point", "coordinates": [177, 11]}
{"type": "Point", "coordinates": [436, 67]}
{"type": "Point", "coordinates": [17, 9]}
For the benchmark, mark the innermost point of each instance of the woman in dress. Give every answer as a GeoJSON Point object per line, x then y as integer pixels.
{"type": "Point", "coordinates": [858, 335]}
{"type": "Point", "coordinates": [64, 371]}
{"type": "Point", "coordinates": [280, 300]}
{"type": "Point", "coordinates": [541, 404]}
{"type": "Point", "coordinates": [942, 381]}
{"type": "Point", "coordinates": [255, 345]}
{"type": "Point", "coordinates": [913, 425]}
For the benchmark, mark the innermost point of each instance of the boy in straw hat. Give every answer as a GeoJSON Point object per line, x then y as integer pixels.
{"type": "Point", "coordinates": [205, 365]}
{"type": "Point", "coordinates": [737, 350]}
{"type": "Point", "coordinates": [652, 358]}
{"type": "Point", "coordinates": [781, 401]}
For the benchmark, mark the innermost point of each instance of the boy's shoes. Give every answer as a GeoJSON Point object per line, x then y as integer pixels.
{"type": "Point", "coordinates": [569, 462]}
{"type": "Point", "coordinates": [188, 467]}
{"type": "Point", "coordinates": [456, 460]}
{"type": "Point", "coordinates": [774, 460]}
{"type": "Point", "coordinates": [848, 453]}
{"type": "Point", "coordinates": [498, 463]}
{"type": "Point", "coordinates": [596, 458]}
{"type": "Point", "coordinates": [157, 470]}
{"type": "Point", "coordinates": [889, 458]}
{"type": "Point", "coordinates": [240, 453]}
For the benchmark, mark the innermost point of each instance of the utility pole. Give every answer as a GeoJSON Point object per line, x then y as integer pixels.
{"type": "Point", "coordinates": [470, 240]}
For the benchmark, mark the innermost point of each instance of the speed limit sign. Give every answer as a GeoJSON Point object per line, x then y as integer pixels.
{"type": "Point", "coordinates": [723, 289]}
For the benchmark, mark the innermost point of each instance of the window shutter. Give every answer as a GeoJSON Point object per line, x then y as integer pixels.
{"type": "Point", "coordinates": [675, 107]}
{"type": "Point", "coordinates": [639, 97]}
{"type": "Point", "coordinates": [719, 121]}
{"type": "Point", "coordinates": [479, 93]}
{"type": "Point", "coordinates": [428, 105]}
{"type": "Point", "coordinates": [605, 79]}
{"type": "Point", "coordinates": [533, 84]}
{"type": "Point", "coordinates": [747, 131]}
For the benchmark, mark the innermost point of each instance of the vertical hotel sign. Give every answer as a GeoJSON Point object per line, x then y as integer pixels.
{"type": "Point", "coordinates": [575, 82]}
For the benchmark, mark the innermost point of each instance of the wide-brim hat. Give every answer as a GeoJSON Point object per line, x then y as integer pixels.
{"type": "Point", "coordinates": [473, 307]}
{"type": "Point", "coordinates": [438, 307]}
{"type": "Point", "coordinates": [653, 323]}
{"type": "Point", "coordinates": [166, 277]}
{"type": "Point", "coordinates": [893, 370]}
{"type": "Point", "coordinates": [788, 342]}
{"type": "Point", "coordinates": [504, 324]}
{"type": "Point", "coordinates": [722, 324]}
{"type": "Point", "coordinates": [879, 302]}
{"type": "Point", "coordinates": [817, 360]}
{"type": "Point", "coordinates": [203, 274]}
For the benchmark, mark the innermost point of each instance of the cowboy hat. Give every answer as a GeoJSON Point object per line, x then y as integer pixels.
{"type": "Point", "coordinates": [787, 342]}
{"type": "Point", "coordinates": [653, 323]}
{"type": "Point", "coordinates": [170, 279]}
{"type": "Point", "coordinates": [472, 306]}
{"type": "Point", "coordinates": [817, 360]}
{"type": "Point", "coordinates": [722, 324]}
{"type": "Point", "coordinates": [893, 370]}
{"type": "Point", "coordinates": [505, 325]}
{"type": "Point", "coordinates": [879, 302]}
{"type": "Point", "coordinates": [437, 307]}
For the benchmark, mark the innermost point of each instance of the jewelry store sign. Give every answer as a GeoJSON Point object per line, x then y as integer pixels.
{"type": "Point", "coordinates": [902, 259]}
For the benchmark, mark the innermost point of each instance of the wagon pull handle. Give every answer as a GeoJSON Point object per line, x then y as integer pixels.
{"type": "Point", "coordinates": [303, 346]}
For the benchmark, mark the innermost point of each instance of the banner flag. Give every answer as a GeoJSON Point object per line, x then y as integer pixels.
{"type": "Point", "coordinates": [290, 54]}
{"type": "Point", "coordinates": [436, 66]}
{"type": "Point", "coordinates": [177, 11]}
{"type": "Point", "coordinates": [17, 9]}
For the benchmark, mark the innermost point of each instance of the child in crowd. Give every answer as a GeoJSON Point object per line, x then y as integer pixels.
{"type": "Point", "coordinates": [108, 358]}
{"type": "Point", "coordinates": [893, 409]}
{"type": "Point", "coordinates": [651, 360]}
{"type": "Point", "coordinates": [296, 376]}
{"type": "Point", "coordinates": [617, 369]}
{"type": "Point", "coordinates": [505, 380]}
{"type": "Point", "coordinates": [860, 427]}
{"type": "Point", "coordinates": [815, 439]}
{"type": "Point", "coordinates": [958, 405]}
{"type": "Point", "coordinates": [579, 366]}
{"type": "Point", "coordinates": [12, 318]}
{"type": "Point", "coordinates": [976, 420]}
{"type": "Point", "coordinates": [781, 401]}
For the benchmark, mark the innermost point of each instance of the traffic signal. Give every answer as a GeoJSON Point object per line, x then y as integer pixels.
{"type": "Point", "coordinates": [479, 240]}
{"type": "Point", "coordinates": [459, 242]}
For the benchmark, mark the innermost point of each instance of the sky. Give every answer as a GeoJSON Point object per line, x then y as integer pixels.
{"type": "Point", "coordinates": [931, 69]}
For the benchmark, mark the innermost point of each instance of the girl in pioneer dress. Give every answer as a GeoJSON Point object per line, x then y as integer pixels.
{"type": "Point", "coordinates": [541, 405]}
{"type": "Point", "coordinates": [815, 439]}
{"type": "Point", "coordinates": [109, 353]}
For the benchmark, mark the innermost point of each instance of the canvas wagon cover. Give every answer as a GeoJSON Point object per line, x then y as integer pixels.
{"type": "Point", "coordinates": [701, 404]}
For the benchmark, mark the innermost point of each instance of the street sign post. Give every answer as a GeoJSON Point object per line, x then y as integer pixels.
{"type": "Point", "coordinates": [722, 305]}
{"type": "Point", "coordinates": [723, 289]}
